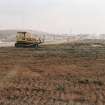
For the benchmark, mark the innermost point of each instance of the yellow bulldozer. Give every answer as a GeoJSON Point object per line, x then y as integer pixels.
{"type": "Point", "coordinates": [25, 39]}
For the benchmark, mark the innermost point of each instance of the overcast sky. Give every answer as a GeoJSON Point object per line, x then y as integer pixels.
{"type": "Point", "coordinates": [57, 16]}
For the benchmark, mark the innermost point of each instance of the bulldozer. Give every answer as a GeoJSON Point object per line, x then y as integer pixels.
{"type": "Point", "coordinates": [26, 39]}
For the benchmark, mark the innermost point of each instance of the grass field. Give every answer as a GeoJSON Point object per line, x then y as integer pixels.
{"type": "Point", "coordinates": [64, 74]}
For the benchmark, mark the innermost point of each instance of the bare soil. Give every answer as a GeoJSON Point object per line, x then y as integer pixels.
{"type": "Point", "coordinates": [65, 74]}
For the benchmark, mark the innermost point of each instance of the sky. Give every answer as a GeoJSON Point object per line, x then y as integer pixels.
{"type": "Point", "coordinates": [54, 16]}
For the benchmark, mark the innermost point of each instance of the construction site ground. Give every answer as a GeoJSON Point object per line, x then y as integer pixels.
{"type": "Point", "coordinates": [63, 74]}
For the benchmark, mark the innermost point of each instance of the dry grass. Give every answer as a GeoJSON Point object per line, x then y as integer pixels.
{"type": "Point", "coordinates": [66, 74]}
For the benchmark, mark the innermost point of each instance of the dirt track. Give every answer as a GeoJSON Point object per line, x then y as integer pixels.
{"type": "Point", "coordinates": [53, 75]}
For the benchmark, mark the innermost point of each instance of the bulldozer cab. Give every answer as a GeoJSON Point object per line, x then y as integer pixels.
{"type": "Point", "coordinates": [23, 36]}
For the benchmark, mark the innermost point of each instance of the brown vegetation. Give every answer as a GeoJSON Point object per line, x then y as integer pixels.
{"type": "Point", "coordinates": [66, 74]}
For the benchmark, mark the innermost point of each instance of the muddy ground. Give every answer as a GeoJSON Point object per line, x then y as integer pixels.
{"type": "Point", "coordinates": [65, 74]}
